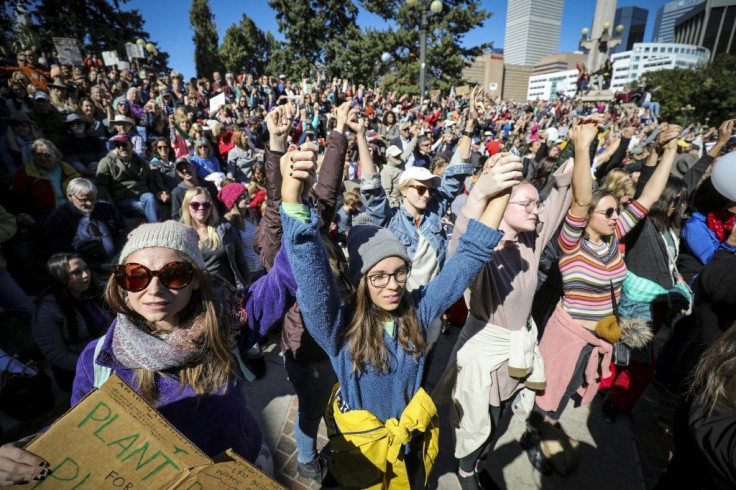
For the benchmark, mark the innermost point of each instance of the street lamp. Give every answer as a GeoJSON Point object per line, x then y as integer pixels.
{"type": "Point", "coordinates": [435, 7]}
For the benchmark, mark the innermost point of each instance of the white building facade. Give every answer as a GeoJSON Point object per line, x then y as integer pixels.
{"type": "Point", "coordinates": [627, 67]}
{"type": "Point", "coordinates": [645, 57]}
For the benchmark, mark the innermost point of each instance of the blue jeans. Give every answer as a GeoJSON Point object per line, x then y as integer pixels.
{"type": "Point", "coordinates": [145, 205]}
{"type": "Point", "coordinates": [13, 299]}
{"type": "Point", "coordinates": [313, 383]}
{"type": "Point", "coordinates": [652, 106]}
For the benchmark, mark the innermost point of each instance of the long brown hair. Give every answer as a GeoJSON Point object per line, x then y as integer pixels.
{"type": "Point", "coordinates": [714, 378]}
{"type": "Point", "coordinates": [364, 333]}
{"type": "Point", "coordinates": [214, 367]}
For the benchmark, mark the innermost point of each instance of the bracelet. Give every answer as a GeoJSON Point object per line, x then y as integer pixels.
{"type": "Point", "coordinates": [467, 133]}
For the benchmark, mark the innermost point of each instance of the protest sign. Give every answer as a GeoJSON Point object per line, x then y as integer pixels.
{"type": "Point", "coordinates": [217, 101]}
{"type": "Point", "coordinates": [123, 65]}
{"type": "Point", "coordinates": [67, 51]}
{"type": "Point", "coordinates": [134, 51]}
{"type": "Point", "coordinates": [462, 90]}
{"type": "Point", "coordinates": [112, 438]}
{"type": "Point", "coordinates": [110, 58]}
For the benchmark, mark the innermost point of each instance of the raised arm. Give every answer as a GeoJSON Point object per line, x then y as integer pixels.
{"type": "Point", "coordinates": [667, 139]}
{"type": "Point", "coordinates": [582, 134]}
{"type": "Point", "coordinates": [267, 240]}
{"type": "Point", "coordinates": [475, 248]}
{"type": "Point", "coordinates": [317, 291]}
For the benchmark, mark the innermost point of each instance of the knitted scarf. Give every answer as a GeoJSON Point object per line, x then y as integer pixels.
{"type": "Point", "coordinates": [721, 223]}
{"type": "Point", "coordinates": [135, 348]}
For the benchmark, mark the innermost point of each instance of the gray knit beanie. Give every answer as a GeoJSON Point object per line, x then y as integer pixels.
{"type": "Point", "coordinates": [169, 234]}
{"type": "Point", "coordinates": [368, 245]}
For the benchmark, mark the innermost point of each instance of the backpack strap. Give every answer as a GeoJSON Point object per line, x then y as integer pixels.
{"type": "Point", "coordinates": [102, 373]}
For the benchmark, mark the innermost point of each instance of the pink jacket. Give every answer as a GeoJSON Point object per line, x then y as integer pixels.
{"type": "Point", "coordinates": [561, 344]}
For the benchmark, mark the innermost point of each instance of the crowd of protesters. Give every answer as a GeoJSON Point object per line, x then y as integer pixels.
{"type": "Point", "coordinates": [169, 233]}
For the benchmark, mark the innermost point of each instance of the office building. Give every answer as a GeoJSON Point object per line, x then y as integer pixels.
{"type": "Point", "coordinates": [628, 66]}
{"type": "Point", "coordinates": [634, 20]}
{"type": "Point", "coordinates": [532, 30]}
{"type": "Point", "coordinates": [559, 62]}
{"type": "Point", "coordinates": [711, 25]}
{"type": "Point", "coordinates": [667, 15]}
{"type": "Point", "coordinates": [645, 57]}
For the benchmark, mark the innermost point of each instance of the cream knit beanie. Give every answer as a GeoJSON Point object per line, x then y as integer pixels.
{"type": "Point", "coordinates": [169, 234]}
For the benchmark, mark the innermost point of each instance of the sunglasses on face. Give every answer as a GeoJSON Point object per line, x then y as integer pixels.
{"type": "Point", "coordinates": [136, 277]}
{"type": "Point", "coordinates": [608, 213]}
{"type": "Point", "coordinates": [120, 145]}
{"type": "Point", "coordinates": [161, 147]}
{"type": "Point", "coordinates": [204, 205]}
{"type": "Point", "coordinates": [421, 189]}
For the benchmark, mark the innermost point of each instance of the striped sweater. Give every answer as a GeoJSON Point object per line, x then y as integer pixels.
{"type": "Point", "coordinates": [588, 269]}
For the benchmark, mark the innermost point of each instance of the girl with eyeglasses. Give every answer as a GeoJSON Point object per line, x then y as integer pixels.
{"type": "Point", "coordinates": [496, 356]}
{"type": "Point", "coordinates": [578, 336]}
{"type": "Point", "coordinates": [174, 341]}
{"type": "Point", "coordinates": [219, 241]}
{"type": "Point", "coordinates": [69, 314]}
{"type": "Point", "coordinates": [382, 424]}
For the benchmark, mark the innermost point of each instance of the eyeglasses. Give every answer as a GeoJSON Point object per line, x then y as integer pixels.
{"type": "Point", "coordinates": [21, 125]}
{"type": "Point", "coordinates": [85, 200]}
{"type": "Point", "coordinates": [608, 213]}
{"type": "Point", "coordinates": [530, 206]}
{"type": "Point", "coordinates": [196, 205]}
{"type": "Point", "coordinates": [119, 144]}
{"type": "Point", "coordinates": [161, 147]}
{"type": "Point", "coordinates": [43, 156]}
{"type": "Point", "coordinates": [421, 189]}
{"type": "Point", "coordinates": [136, 277]}
{"type": "Point", "coordinates": [381, 279]}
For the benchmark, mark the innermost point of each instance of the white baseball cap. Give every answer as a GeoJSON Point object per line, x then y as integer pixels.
{"type": "Point", "coordinates": [420, 174]}
{"type": "Point", "coordinates": [393, 151]}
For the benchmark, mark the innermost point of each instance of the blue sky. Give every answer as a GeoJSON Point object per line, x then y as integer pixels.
{"type": "Point", "coordinates": [168, 23]}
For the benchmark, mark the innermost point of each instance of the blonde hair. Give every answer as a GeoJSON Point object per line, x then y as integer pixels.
{"type": "Point", "coordinates": [213, 240]}
{"type": "Point", "coordinates": [614, 177]}
{"type": "Point", "coordinates": [623, 188]}
{"type": "Point", "coordinates": [351, 197]}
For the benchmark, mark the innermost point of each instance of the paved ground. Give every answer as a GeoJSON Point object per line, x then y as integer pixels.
{"type": "Point", "coordinates": [629, 454]}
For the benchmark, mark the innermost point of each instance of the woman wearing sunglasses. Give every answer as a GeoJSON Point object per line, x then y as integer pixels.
{"type": "Point", "coordinates": [173, 341]}
{"type": "Point", "coordinates": [593, 270]}
{"type": "Point", "coordinates": [219, 241]}
{"type": "Point", "coordinates": [383, 426]}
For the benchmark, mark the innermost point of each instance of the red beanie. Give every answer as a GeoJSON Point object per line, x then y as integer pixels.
{"type": "Point", "coordinates": [230, 194]}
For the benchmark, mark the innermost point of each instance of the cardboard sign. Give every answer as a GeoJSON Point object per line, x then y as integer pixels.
{"type": "Point", "coordinates": [67, 51]}
{"type": "Point", "coordinates": [462, 90]}
{"type": "Point", "coordinates": [123, 65]}
{"type": "Point", "coordinates": [110, 58]}
{"type": "Point", "coordinates": [135, 51]}
{"type": "Point", "coordinates": [113, 439]}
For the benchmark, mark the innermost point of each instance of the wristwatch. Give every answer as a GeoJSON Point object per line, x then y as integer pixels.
{"type": "Point", "coordinates": [469, 134]}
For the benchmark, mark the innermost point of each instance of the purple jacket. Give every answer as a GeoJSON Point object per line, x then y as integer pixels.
{"type": "Point", "coordinates": [213, 422]}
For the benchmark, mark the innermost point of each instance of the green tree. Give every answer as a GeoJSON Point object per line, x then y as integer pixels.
{"type": "Point", "coordinates": [446, 57]}
{"type": "Point", "coordinates": [98, 25]}
{"type": "Point", "coordinates": [244, 48]}
{"type": "Point", "coordinates": [206, 59]}
{"type": "Point", "coordinates": [317, 32]}
{"type": "Point", "coordinates": [705, 88]}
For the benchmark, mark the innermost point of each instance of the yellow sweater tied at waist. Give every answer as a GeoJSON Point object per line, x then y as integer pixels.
{"type": "Point", "coordinates": [367, 453]}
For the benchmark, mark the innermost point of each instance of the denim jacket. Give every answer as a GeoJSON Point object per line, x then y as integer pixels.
{"type": "Point", "coordinates": [401, 222]}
